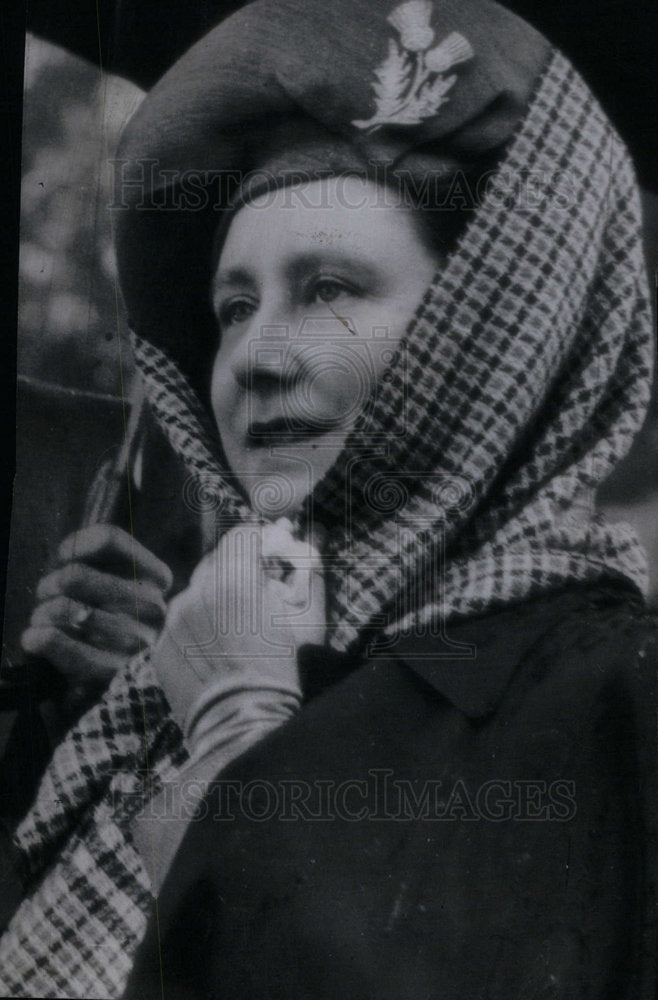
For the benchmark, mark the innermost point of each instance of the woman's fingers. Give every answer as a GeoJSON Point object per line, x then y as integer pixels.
{"type": "Point", "coordinates": [277, 538]}
{"type": "Point", "coordinates": [77, 660]}
{"type": "Point", "coordinates": [300, 604]}
{"type": "Point", "coordinates": [104, 601]}
{"type": "Point", "coordinates": [140, 599]}
{"type": "Point", "coordinates": [283, 558]}
{"type": "Point", "coordinates": [105, 546]}
{"type": "Point", "coordinates": [294, 590]}
{"type": "Point", "coordinates": [252, 601]}
{"type": "Point", "coordinates": [116, 632]}
{"type": "Point", "coordinates": [279, 541]}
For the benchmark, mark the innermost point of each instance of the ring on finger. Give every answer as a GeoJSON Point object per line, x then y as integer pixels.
{"type": "Point", "coordinates": [79, 619]}
{"type": "Point", "coordinates": [276, 568]}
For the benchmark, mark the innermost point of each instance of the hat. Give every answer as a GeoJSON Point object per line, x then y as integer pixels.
{"type": "Point", "coordinates": [422, 87]}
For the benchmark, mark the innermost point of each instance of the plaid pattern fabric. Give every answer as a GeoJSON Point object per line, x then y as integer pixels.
{"type": "Point", "coordinates": [521, 381]}
{"type": "Point", "coordinates": [75, 935]}
{"type": "Point", "coordinates": [540, 320]}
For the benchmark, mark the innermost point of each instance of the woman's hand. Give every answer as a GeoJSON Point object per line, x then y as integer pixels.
{"type": "Point", "coordinates": [251, 602]}
{"type": "Point", "coordinates": [103, 602]}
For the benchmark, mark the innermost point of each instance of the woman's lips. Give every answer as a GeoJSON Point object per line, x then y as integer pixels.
{"type": "Point", "coordinates": [283, 430]}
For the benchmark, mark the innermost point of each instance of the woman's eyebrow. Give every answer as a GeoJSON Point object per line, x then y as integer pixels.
{"type": "Point", "coordinates": [301, 264]}
{"type": "Point", "coordinates": [233, 276]}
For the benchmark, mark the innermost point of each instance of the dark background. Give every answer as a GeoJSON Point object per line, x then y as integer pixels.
{"type": "Point", "coordinates": [12, 32]}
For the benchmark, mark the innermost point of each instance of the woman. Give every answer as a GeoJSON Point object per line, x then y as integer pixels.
{"type": "Point", "coordinates": [433, 747]}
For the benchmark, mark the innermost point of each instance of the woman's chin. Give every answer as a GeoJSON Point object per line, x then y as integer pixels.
{"type": "Point", "coordinates": [278, 479]}
{"type": "Point", "coordinates": [276, 486]}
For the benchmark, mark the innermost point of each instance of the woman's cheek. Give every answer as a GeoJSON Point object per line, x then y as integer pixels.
{"type": "Point", "coordinates": [220, 388]}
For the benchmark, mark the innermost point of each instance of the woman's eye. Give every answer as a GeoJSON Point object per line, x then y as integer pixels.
{"type": "Point", "coordinates": [235, 311]}
{"type": "Point", "coordinates": [328, 290]}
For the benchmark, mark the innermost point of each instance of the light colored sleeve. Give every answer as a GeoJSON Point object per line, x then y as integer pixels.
{"type": "Point", "coordinates": [232, 713]}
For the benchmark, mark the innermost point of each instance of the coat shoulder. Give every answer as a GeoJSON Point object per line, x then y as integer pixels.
{"type": "Point", "coordinates": [600, 637]}
{"type": "Point", "coordinates": [566, 644]}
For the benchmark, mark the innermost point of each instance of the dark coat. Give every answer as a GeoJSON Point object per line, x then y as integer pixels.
{"type": "Point", "coordinates": [486, 829]}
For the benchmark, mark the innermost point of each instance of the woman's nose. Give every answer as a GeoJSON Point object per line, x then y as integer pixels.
{"type": "Point", "coordinates": [262, 359]}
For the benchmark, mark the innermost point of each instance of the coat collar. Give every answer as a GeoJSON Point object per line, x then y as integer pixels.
{"type": "Point", "coordinates": [472, 662]}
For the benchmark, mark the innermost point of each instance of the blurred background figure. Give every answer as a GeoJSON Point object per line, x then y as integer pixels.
{"type": "Point", "coordinates": [69, 317]}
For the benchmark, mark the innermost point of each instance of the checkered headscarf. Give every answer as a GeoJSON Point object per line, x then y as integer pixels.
{"type": "Point", "coordinates": [521, 382]}
{"type": "Point", "coordinates": [523, 378]}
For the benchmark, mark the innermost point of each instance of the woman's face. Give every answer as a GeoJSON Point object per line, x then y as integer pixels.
{"type": "Point", "coordinates": [313, 292]}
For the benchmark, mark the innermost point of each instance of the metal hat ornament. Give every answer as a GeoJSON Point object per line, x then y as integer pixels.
{"type": "Point", "coordinates": [411, 84]}
{"type": "Point", "coordinates": [309, 86]}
